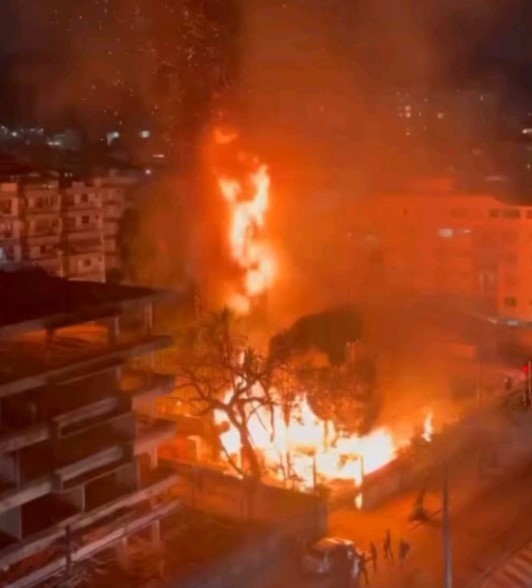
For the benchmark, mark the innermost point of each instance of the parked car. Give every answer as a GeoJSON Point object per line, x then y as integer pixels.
{"type": "Point", "coordinates": [327, 556]}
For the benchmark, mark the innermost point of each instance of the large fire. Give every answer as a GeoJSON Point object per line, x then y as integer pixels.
{"type": "Point", "coordinates": [302, 450]}
{"type": "Point", "coordinates": [295, 446]}
{"type": "Point", "coordinates": [247, 193]}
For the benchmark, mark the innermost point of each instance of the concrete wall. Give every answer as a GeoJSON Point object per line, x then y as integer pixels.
{"type": "Point", "coordinates": [300, 516]}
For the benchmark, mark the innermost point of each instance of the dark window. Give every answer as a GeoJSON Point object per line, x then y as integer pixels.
{"type": "Point", "coordinates": [5, 206]}
{"type": "Point", "coordinates": [511, 213]}
{"type": "Point", "coordinates": [9, 252]}
{"type": "Point", "coordinates": [84, 198]}
{"type": "Point", "coordinates": [494, 213]}
{"type": "Point", "coordinates": [85, 219]}
{"type": "Point", "coordinates": [510, 301]}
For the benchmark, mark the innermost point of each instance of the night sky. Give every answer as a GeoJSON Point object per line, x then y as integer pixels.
{"type": "Point", "coordinates": [107, 52]}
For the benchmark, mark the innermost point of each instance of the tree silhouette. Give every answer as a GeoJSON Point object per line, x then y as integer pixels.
{"type": "Point", "coordinates": [218, 372]}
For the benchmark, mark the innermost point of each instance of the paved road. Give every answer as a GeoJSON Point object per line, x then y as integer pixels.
{"type": "Point", "coordinates": [485, 523]}
{"type": "Point", "coordinates": [515, 571]}
{"type": "Point", "coordinates": [488, 518]}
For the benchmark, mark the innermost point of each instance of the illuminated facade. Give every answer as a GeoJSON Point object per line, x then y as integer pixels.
{"type": "Point", "coordinates": [437, 241]}
{"type": "Point", "coordinates": [69, 228]}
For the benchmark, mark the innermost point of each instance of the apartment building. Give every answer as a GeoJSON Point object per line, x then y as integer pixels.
{"type": "Point", "coordinates": [437, 241]}
{"type": "Point", "coordinates": [79, 468]}
{"type": "Point", "coordinates": [115, 187]}
{"type": "Point", "coordinates": [67, 225]}
{"type": "Point", "coordinates": [83, 245]}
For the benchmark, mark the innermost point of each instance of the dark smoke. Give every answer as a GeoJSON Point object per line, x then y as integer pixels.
{"type": "Point", "coordinates": [328, 332]}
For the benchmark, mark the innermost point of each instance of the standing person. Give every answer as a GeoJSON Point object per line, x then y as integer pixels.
{"type": "Point", "coordinates": [374, 554]}
{"type": "Point", "coordinates": [387, 545]}
{"type": "Point", "coordinates": [362, 568]}
{"type": "Point", "coordinates": [404, 548]}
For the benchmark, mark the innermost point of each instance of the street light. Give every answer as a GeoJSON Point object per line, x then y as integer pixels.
{"type": "Point", "coordinates": [447, 532]}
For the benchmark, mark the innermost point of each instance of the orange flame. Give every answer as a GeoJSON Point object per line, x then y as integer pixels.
{"type": "Point", "coordinates": [248, 201]}
{"type": "Point", "coordinates": [428, 426]}
{"type": "Point", "coordinates": [307, 448]}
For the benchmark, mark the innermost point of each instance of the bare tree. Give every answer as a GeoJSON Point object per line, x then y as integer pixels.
{"type": "Point", "coordinates": [219, 372]}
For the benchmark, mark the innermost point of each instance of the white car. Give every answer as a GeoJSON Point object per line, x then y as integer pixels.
{"type": "Point", "coordinates": [326, 556]}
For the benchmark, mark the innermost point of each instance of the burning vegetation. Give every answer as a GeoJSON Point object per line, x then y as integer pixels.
{"type": "Point", "coordinates": [303, 413]}
{"type": "Point", "coordinates": [262, 418]}
{"type": "Point", "coordinates": [340, 379]}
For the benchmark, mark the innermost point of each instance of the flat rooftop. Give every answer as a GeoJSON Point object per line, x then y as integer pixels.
{"type": "Point", "coordinates": [31, 298]}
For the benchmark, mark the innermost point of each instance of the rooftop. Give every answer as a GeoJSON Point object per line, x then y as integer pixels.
{"type": "Point", "coordinates": [31, 296]}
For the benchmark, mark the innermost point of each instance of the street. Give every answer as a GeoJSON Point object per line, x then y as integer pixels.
{"type": "Point", "coordinates": [490, 516]}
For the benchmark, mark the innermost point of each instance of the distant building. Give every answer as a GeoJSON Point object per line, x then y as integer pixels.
{"type": "Point", "coordinates": [58, 229]}
{"type": "Point", "coordinates": [79, 445]}
{"type": "Point", "coordinates": [445, 115]}
{"type": "Point", "coordinates": [68, 223]}
{"type": "Point", "coordinates": [435, 240]}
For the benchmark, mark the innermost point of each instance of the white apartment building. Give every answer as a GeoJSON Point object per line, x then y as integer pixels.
{"type": "Point", "coordinates": [437, 241]}
{"type": "Point", "coordinates": [68, 226]}
{"type": "Point", "coordinates": [83, 244]}
{"type": "Point", "coordinates": [60, 230]}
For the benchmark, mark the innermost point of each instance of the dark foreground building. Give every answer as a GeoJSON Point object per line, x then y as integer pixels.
{"type": "Point", "coordinates": [79, 468]}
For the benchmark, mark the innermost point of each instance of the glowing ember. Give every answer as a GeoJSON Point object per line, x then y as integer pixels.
{"type": "Point", "coordinates": [248, 200]}
{"type": "Point", "coordinates": [428, 426]}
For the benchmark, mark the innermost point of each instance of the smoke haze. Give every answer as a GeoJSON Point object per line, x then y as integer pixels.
{"type": "Point", "coordinates": [311, 74]}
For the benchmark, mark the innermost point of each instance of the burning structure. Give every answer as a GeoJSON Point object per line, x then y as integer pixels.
{"type": "Point", "coordinates": [261, 417]}
{"type": "Point", "coordinates": [287, 417]}
{"type": "Point", "coordinates": [79, 467]}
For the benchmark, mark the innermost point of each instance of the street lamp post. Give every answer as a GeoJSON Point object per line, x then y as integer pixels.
{"type": "Point", "coordinates": [447, 531]}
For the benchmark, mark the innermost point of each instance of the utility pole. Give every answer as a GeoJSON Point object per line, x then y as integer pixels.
{"type": "Point", "coordinates": [528, 396]}
{"type": "Point", "coordinates": [479, 385]}
{"type": "Point", "coordinates": [447, 531]}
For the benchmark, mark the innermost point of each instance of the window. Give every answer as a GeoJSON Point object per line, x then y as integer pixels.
{"type": "Point", "coordinates": [42, 226]}
{"type": "Point", "coordinates": [87, 262]}
{"type": "Point", "coordinates": [6, 230]}
{"type": "Point", "coordinates": [510, 301]}
{"type": "Point", "coordinates": [5, 206]}
{"type": "Point", "coordinates": [511, 213]}
{"type": "Point", "coordinates": [84, 198]}
{"type": "Point", "coordinates": [494, 213]}
{"type": "Point", "coordinates": [70, 222]}
{"type": "Point", "coordinates": [85, 219]}
{"type": "Point", "coordinates": [48, 249]}
{"type": "Point", "coordinates": [7, 253]}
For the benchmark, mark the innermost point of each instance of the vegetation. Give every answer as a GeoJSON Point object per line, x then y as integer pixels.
{"type": "Point", "coordinates": [219, 373]}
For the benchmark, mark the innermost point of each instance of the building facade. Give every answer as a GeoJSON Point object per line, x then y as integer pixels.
{"type": "Point", "coordinates": [79, 467]}
{"type": "Point", "coordinates": [67, 226]}
{"type": "Point", "coordinates": [436, 241]}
